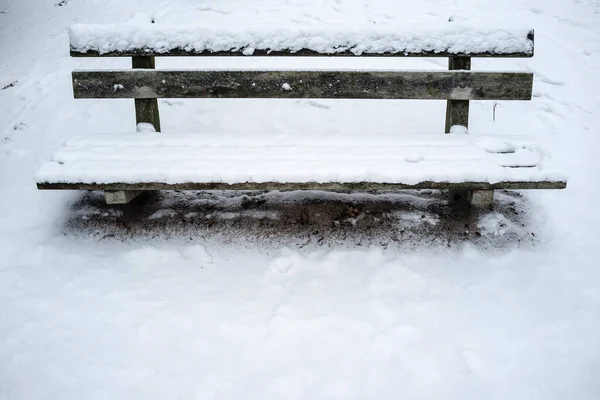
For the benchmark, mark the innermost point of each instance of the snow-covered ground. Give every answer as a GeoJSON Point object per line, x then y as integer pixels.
{"type": "Point", "coordinates": [168, 315]}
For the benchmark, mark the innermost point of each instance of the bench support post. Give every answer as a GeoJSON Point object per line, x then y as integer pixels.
{"type": "Point", "coordinates": [146, 110]}
{"type": "Point", "coordinates": [476, 198]}
{"type": "Point", "coordinates": [482, 199]}
{"type": "Point", "coordinates": [120, 196]}
{"type": "Point", "coordinates": [457, 113]}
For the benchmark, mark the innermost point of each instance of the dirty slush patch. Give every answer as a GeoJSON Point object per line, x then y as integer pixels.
{"type": "Point", "coordinates": [404, 219]}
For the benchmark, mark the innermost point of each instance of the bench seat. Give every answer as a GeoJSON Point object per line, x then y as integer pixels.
{"type": "Point", "coordinates": [155, 161]}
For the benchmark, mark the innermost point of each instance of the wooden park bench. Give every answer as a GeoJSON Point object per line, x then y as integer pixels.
{"type": "Point", "coordinates": [124, 165]}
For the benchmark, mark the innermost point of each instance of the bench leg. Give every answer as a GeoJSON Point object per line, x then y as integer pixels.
{"type": "Point", "coordinates": [475, 198]}
{"type": "Point", "coordinates": [481, 198]}
{"type": "Point", "coordinates": [120, 196]}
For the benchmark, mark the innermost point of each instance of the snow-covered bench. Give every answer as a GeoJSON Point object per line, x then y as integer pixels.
{"type": "Point", "coordinates": [123, 165]}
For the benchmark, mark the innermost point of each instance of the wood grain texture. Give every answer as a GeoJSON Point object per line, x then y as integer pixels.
{"type": "Point", "coordinates": [283, 186]}
{"type": "Point", "coordinates": [431, 85]}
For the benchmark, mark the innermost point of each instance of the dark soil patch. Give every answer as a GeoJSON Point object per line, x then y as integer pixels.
{"type": "Point", "coordinates": [406, 219]}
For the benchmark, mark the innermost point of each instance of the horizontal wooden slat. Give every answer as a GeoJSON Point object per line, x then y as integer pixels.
{"type": "Point", "coordinates": [302, 186]}
{"type": "Point", "coordinates": [431, 85]}
{"type": "Point", "coordinates": [154, 161]}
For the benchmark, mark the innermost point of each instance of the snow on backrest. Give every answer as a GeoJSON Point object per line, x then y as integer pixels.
{"type": "Point", "coordinates": [141, 36]}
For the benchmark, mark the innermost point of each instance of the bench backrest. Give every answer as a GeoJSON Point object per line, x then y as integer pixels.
{"type": "Point", "coordinates": [142, 40]}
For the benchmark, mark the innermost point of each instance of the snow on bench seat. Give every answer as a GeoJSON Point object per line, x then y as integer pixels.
{"type": "Point", "coordinates": [180, 159]}
{"type": "Point", "coordinates": [141, 36]}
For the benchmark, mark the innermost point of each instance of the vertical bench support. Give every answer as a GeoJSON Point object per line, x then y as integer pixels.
{"type": "Point", "coordinates": [146, 110]}
{"type": "Point", "coordinates": [120, 196]}
{"type": "Point", "coordinates": [481, 198]}
{"type": "Point", "coordinates": [457, 113]}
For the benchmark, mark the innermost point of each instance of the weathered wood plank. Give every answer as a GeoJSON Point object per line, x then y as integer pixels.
{"type": "Point", "coordinates": [146, 110]}
{"type": "Point", "coordinates": [286, 186]}
{"type": "Point", "coordinates": [432, 85]}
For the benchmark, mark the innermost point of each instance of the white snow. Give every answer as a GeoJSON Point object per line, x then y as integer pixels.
{"type": "Point", "coordinates": [414, 158]}
{"type": "Point", "coordinates": [141, 33]}
{"type": "Point", "coordinates": [459, 129]}
{"type": "Point", "coordinates": [180, 158]}
{"type": "Point", "coordinates": [87, 316]}
{"type": "Point", "coordinates": [145, 127]}
{"type": "Point", "coordinates": [493, 224]}
{"type": "Point", "coordinates": [248, 51]}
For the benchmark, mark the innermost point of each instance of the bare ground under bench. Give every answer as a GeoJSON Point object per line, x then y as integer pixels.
{"type": "Point", "coordinates": [405, 219]}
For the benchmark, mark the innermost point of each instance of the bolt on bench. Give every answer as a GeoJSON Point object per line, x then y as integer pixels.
{"type": "Point", "coordinates": [124, 165]}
